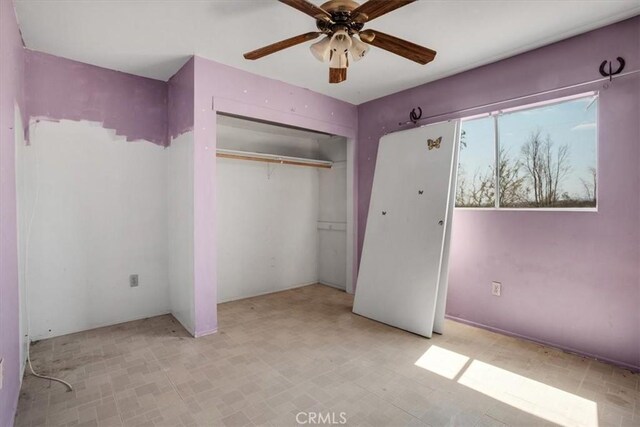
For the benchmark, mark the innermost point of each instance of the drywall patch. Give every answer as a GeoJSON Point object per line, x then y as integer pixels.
{"type": "Point", "coordinates": [101, 215]}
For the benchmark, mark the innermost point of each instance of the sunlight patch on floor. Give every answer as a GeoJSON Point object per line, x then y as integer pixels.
{"type": "Point", "coordinates": [528, 395]}
{"type": "Point", "coordinates": [443, 362]}
{"type": "Point", "coordinates": [532, 396]}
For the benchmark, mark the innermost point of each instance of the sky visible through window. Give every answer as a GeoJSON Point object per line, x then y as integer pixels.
{"type": "Point", "coordinates": [547, 157]}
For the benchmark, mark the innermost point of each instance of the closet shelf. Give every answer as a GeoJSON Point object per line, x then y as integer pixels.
{"type": "Point", "coordinates": [272, 158]}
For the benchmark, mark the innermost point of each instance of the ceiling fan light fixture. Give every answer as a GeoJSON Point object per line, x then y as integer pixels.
{"type": "Point", "coordinates": [339, 60]}
{"type": "Point", "coordinates": [339, 45]}
{"type": "Point", "coordinates": [358, 49]}
{"type": "Point", "coordinates": [321, 49]}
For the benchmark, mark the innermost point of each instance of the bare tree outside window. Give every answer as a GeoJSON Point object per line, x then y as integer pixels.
{"type": "Point", "coordinates": [546, 158]}
{"type": "Point", "coordinates": [476, 173]}
{"type": "Point", "coordinates": [590, 186]}
{"type": "Point", "coordinates": [477, 190]}
{"type": "Point", "coordinates": [547, 167]}
{"type": "Point", "coordinates": [513, 190]}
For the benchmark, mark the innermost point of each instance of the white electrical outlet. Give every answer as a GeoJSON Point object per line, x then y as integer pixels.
{"type": "Point", "coordinates": [496, 288]}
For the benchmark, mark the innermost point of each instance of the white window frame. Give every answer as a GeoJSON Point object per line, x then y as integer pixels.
{"type": "Point", "coordinates": [496, 146]}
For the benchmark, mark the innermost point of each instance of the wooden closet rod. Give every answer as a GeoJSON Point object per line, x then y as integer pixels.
{"type": "Point", "coordinates": [272, 158]}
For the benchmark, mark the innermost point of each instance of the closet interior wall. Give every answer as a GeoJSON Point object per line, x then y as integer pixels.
{"type": "Point", "coordinates": [332, 214]}
{"type": "Point", "coordinates": [279, 226]}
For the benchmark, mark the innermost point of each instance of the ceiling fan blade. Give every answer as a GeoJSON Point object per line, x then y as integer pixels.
{"type": "Point", "coordinates": [337, 75]}
{"type": "Point", "coordinates": [282, 44]}
{"type": "Point", "coordinates": [412, 51]}
{"type": "Point", "coordinates": [309, 8]}
{"type": "Point", "coordinates": [374, 8]}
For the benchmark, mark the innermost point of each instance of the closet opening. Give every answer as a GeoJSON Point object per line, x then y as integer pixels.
{"type": "Point", "coordinates": [284, 208]}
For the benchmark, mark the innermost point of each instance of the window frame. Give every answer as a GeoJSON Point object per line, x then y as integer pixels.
{"type": "Point", "coordinates": [495, 114]}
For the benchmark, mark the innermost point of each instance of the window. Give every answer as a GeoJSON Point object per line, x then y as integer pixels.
{"type": "Point", "coordinates": [538, 156]}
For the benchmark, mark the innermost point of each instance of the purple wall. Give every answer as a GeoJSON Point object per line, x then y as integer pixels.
{"type": "Point", "coordinates": [242, 93]}
{"type": "Point", "coordinates": [181, 101]}
{"type": "Point", "coordinates": [570, 279]}
{"type": "Point", "coordinates": [62, 89]}
{"type": "Point", "coordinates": [11, 86]}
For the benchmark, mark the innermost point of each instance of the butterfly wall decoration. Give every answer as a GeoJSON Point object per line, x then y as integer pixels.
{"type": "Point", "coordinates": [434, 144]}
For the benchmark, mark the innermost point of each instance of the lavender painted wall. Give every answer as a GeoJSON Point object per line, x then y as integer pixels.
{"type": "Point", "coordinates": [58, 88]}
{"type": "Point", "coordinates": [570, 279]}
{"type": "Point", "coordinates": [11, 93]}
{"type": "Point", "coordinates": [239, 92]}
{"type": "Point", "coordinates": [180, 101]}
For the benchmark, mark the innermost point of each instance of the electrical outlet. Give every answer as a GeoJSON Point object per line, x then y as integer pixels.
{"type": "Point", "coordinates": [133, 280]}
{"type": "Point", "coordinates": [496, 288]}
{"type": "Point", "coordinates": [1, 372]}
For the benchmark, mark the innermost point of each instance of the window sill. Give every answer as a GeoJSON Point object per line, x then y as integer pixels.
{"type": "Point", "coordinates": [589, 210]}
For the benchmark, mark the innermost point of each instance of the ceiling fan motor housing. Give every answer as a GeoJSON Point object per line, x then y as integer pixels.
{"type": "Point", "coordinates": [340, 11]}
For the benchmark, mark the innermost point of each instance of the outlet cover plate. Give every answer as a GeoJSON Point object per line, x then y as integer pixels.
{"type": "Point", "coordinates": [496, 289]}
{"type": "Point", "coordinates": [133, 281]}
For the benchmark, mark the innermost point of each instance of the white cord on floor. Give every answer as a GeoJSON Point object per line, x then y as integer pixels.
{"type": "Point", "coordinates": [26, 263]}
{"type": "Point", "coordinates": [35, 374]}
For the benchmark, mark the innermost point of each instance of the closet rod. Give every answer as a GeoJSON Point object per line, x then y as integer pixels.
{"type": "Point", "coordinates": [519, 98]}
{"type": "Point", "coordinates": [272, 158]}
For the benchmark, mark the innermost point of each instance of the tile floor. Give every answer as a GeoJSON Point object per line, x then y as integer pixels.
{"type": "Point", "coordinates": [303, 351]}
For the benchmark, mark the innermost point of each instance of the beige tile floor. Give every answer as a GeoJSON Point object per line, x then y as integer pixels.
{"type": "Point", "coordinates": [303, 351]}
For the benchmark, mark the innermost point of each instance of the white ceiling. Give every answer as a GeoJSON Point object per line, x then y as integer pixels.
{"type": "Point", "coordinates": [153, 38]}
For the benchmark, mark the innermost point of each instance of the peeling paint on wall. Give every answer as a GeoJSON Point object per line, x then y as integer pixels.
{"type": "Point", "coordinates": [62, 89]}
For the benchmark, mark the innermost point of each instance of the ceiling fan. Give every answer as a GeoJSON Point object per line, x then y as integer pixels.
{"type": "Point", "coordinates": [342, 22]}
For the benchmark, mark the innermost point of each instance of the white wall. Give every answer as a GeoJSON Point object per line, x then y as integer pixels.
{"type": "Point", "coordinates": [22, 226]}
{"type": "Point", "coordinates": [267, 237]}
{"type": "Point", "coordinates": [100, 216]}
{"type": "Point", "coordinates": [240, 134]}
{"type": "Point", "coordinates": [108, 208]}
{"type": "Point", "coordinates": [180, 229]}
{"type": "Point", "coordinates": [267, 216]}
{"type": "Point", "coordinates": [332, 216]}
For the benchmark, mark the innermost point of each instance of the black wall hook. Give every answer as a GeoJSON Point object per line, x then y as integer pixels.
{"type": "Point", "coordinates": [610, 73]}
{"type": "Point", "coordinates": [415, 116]}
